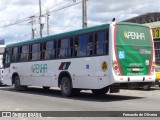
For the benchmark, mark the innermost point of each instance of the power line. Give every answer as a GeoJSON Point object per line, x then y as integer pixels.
{"type": "Point", "coordinates": [28, 18]}
{"type": "Point", "coordinates": [55, 5]}
{"type": "Point", "coordinates": [36, 15]}
{"type": "Point", "coordinates": [58, 9]}
{"type": "Point", "coordinates": [14, 23]}
{"type": "Point", "coordinates": [64, 7]}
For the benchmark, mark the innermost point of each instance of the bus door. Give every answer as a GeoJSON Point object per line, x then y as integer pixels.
{"type": "Point", "coordinates": [6, 65]}
{"type": "Point", "coordinates": [7, 58]}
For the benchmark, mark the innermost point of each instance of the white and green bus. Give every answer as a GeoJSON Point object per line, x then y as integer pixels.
{"type": "Point", "coordinates": [97, 58]}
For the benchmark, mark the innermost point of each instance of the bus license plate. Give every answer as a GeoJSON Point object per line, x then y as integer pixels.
{"type": "Point", "coordinates": [135, 69]}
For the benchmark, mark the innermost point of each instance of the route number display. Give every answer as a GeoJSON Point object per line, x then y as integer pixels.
{"type": "Point", "coordinates": [156, 33]}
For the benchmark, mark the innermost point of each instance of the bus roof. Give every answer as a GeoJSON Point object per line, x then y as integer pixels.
{"type": "Point", "coordinates": [134, 24]}
{"type": "Point", "coordinates": [66, 34]}
{"type": "Point", "coordinates": [57, 36]}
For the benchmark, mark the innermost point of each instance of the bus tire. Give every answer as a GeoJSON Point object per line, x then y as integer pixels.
{"type": "Point", "coordinates": [146, 87]}
{"type": "Point", "coordinates": [66, 87]}
{"type": "Point", "coordinates": [17, 85]}
{"type": "Point", "coordinates": [100, 91]}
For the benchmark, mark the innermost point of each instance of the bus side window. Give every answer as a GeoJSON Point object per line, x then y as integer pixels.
{"type": "Point", "coordinates": [30, 53]}
{"type": "Point", "coordinates": [63, 48]}
{"type": "Point", "coordinates": [71, 49]}
{"type": "Point", "coordinates": [15, 54]}
{"type": "Point", "coordinates": [58, 48]}
{"type": "Point", "coordinates": [82, 47]}
{"type": "Point", "coordinates": [76, 43]}
{"type": "Point", "coordinates": [107, 42]}
{"type": "Point", "coordinates": [35, 52]}
{"type": "Point", "coordinates": [90, 45]}
{"type": "Point", "coordinates": [24, 55]}
{"type": "Point", "coordinates": [49, 48]}
{"type": "Point", "coordinates": [19, 53]}
{"type": "Point", "coordinates": [54, 52]}
{"type": "Point", "coordinates": [100, 43]}
{"type": "Point", "coordinates": [42, 50]}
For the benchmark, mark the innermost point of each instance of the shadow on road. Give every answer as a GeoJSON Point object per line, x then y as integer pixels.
{"type": "Point", "coordinates": [141, 89]}
{"type": "Point", "coordinates": [84, 96]}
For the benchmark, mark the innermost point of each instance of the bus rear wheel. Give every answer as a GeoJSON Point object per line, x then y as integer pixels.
{"type": "Point", "coordinates": [17, 84]}
{"type": "Point", "coordinates": [146, 87]}
{"type": "Point", "coordinates": [100, 91]}
{"type": "Point", "coordinates": [66, 87]}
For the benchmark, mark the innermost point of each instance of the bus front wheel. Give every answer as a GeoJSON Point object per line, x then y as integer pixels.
{"type": "Point", "coordinates": [100, 91]}
{"type": "Point", "coordinates": [17, 84]}
{"type": "Point", "coordinates": [66, 87]}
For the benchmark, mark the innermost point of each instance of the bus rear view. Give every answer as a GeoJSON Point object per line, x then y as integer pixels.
{"type": "Point", "coordinates": [133, 53]}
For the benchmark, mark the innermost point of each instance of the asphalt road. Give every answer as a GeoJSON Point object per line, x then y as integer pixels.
{"type": "Point", "coordinates": [37, 99]}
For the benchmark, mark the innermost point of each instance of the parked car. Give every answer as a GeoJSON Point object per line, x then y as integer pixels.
{"type": "Point", "coordinates": [157, 69]}
{"type": "Point", "coordinates": [157, 81]}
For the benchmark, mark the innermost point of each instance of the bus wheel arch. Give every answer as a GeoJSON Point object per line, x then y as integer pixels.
{"type": "Point", "coordinates": [17, 83]}
{"type": "Point", "coordinates": [65, 83]}
{"type": "Point", "coordinates": [13, 77]}
{"type": "Point", "coordinates": [64, 74]}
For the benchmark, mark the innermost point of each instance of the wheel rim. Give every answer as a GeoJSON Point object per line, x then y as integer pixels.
{"type": "Point", "coordinates": [17, 84]}
{"type": "Point", "coordinates": [66, 86]}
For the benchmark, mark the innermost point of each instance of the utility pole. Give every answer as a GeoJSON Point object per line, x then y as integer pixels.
{"type": "Point", "coordinates": [32, 21]}
{"type": "Point", "coordinates": [47, 13]}
{"type": "Point", "coordinates": [40, 11]}
{"type": "Point", "coordinates": [84, 13]}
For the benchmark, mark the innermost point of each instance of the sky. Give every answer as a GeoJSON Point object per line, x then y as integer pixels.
{"type": "Point", "coordinates": [68, 19]}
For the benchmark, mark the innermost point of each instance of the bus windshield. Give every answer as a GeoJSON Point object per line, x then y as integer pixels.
{"type": "Point", "coordinates": [134, 49]}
